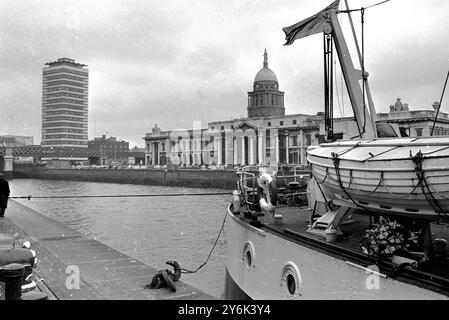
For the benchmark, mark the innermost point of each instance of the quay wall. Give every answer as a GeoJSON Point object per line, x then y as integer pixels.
{"type": "Point", "coordinates": [220, 179]}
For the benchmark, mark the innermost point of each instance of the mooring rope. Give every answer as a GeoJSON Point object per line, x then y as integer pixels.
{"type": "Point", "coordinates": [29, 197]}
{"type": "Point", "coordinates": [210, 252]}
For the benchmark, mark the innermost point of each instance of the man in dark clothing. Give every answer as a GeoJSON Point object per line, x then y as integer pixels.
{"type": "Point", "coordinates": [4, 194]}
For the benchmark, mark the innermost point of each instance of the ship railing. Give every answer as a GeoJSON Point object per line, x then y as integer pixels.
{"type": "Point", "coordinates": [291, 180]}
{"type": "Point", "coordinates": [247, 184]}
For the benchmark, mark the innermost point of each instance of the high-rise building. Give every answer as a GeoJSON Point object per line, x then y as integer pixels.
{"type": "Point", "coordinates": [65, 104]}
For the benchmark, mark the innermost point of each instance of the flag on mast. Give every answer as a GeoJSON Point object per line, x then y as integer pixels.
{"type": "Point", "coordinates": [309, 26]}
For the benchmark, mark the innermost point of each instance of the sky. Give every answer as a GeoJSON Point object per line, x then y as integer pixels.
{"type": "Point", "coordinates": [174, 62]}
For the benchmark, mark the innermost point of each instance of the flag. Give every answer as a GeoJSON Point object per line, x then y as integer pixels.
{"type": "Point", "coordinates": [309, 26]}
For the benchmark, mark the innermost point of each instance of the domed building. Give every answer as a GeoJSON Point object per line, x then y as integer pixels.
{"type": "Point", "coordinates": [265, 100]}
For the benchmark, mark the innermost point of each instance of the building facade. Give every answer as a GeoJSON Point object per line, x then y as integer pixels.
{"type": "Point", "coordinates": [65, 104]}
{"type": "Point", "coordinates": [110, 150]}
{"type": "Point", "coordinates": [16, 141]}
{"type": "Point", "coordinates": [416, 123]}
{"type": "Point", "coordinates": [269, 137]}
{"type": "Point", "coordinates": [266, 136]}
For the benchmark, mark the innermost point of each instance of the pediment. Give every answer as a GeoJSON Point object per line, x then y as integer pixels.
{"type": "Point", "coordinates": [246, 126]}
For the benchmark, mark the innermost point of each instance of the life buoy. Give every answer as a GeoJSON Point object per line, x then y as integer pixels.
{"type": "Point", "coordinates": [268, 192]}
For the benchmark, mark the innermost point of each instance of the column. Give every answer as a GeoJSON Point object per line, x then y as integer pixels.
{"type": "Point", "coordinates": [189, 152]}
{"type": "Point", "coordinates": [251, 150]}
{"type": "Point", "coordinates": [301, 146]}
{"type": "Point", "coordinates": [197, 151]}
{"type": "Point", "coordinates": [261, 148]}
{"type": "Point", "coordinates": [219, 146]}
{"type": "Point", "coordinates": [153, 153]}
{"type": "Point", "coordinates": [243, 151]}
{"type": "Point", "coordinates": [235, 150]}
{"type": "Point", "coordinates": [286, 149]}
{"type": "Point", "coordinates": [184, 152]}
{"type": "Point", "coordinates": [227, 150]}
{"type": "Point", "coordinates": [276, 146]}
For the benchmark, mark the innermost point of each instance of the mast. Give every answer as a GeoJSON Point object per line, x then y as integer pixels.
{"type": "Point", "coordinates": [365, 121]}
{"type": "Point", "coordinates": [326, 21]}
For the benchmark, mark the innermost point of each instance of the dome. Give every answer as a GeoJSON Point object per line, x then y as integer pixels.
{"type": "Point", "coordinates": [265, 74]}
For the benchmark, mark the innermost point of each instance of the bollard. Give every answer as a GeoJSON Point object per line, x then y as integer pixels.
{"type": "Point", "coordinates": [11, 275]}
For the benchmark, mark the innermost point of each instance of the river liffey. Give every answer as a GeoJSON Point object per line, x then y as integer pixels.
{"type": "Point", "coordinates": [150, 229]}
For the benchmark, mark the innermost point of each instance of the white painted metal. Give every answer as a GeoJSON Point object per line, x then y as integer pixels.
{"type": "Point", "coordinates": [322, 276]}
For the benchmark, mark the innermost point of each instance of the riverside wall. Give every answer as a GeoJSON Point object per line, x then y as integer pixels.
{"type": "Point", "coordinates": [221, 179]}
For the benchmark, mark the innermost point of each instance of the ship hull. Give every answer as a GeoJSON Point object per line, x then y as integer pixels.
{"type": "Point", "coordinates": [262, 264]}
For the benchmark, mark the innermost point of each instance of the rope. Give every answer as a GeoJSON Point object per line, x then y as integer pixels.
{"type": "Point", "coordinates": [375, 189]}
{"type": "Point", "coordinates": [336, 161]}
{"type": "Point", "coordinates": [124, 195]}
{"type": "Point", "coordinates": [400, 197]}
{"type": "Point", "coordinates": [436, 191]}
{"type": "Point", "coordinates": [210, 252]}
{"type": "Point", "coordinates": [417, 160]}
{"type": "Point", "coordinates": [325, 177]}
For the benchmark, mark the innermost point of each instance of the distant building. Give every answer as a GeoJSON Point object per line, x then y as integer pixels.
{"type": "Point", "coordinates": [265, 100]}
{"type": "Point", "coordinates": [65, 104]}
{"type": "Point", "coordinates": [16, 141]}
{"type": "Point", "coordinates": [416, 123]}
{"type": "Point", "coordinates": [110, 149]}
{"type": "Point", "coordinates": [268, 136]}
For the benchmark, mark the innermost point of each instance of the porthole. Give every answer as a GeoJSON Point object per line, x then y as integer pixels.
{"type": "Point", "coordinates": [291, 284]}
{"type": "Point", "coordinates": [291, 281]}
{"type": "Point", "coordinates": [249, 255]}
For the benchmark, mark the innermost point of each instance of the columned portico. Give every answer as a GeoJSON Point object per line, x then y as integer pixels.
{"type": "Point", "coordinates": [251, 150]}
{"type": "Point", "coordinates": [227, 150]}
{"type": "Point", "coordinates": [219, 151]}
{"type": "Point", "coordinates": [276, 146]}
{"type": "Point", "coordinates": [243, 151]}
{"type": "Point", "coordinates": [261, 148]}
{"type": "Point", "coordinates": [301, 144]}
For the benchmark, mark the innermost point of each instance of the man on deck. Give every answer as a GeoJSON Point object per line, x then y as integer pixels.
{"type": "Point", "coordinates": [4, 194]}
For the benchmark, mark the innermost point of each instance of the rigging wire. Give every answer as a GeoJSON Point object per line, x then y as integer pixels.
{"type": "Point", "coordinates": [376, 4]}
{"type": "Point", "coordinates": [29, 197]}
{"type": "Point", "coordinates": [439, 106]}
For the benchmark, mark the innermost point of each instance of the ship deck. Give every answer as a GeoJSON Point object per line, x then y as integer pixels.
{"type": "Point", "coordinates": [295, 225]}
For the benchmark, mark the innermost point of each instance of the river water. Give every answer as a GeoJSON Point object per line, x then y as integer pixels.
{"type": "Point", "coordinates": [150, 229]}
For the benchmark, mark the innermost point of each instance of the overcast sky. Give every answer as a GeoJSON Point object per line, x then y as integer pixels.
{"type": "Point", "coordinates": [173, 62]}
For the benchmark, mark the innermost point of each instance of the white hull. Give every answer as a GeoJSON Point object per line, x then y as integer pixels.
{"type": "Point", "coordinates": [381, 174]}
{"type": "Point", "coordinates": [318, 274]}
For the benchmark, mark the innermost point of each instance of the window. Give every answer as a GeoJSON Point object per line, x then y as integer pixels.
{"type": "Point", "coordinates": [294, 141]}
{"type": "Point", "coordinates": [222, 127]}
{"type": "Point", "coordinates": [281, 123]}
{"type": "Point", "coordinates": [418, 132]}
{"type": "Point", "coordinates": [294, 121]}
{"type": "Point", "coordinates": [269, 124]}
{"type": "Point", "coordinates": [308, 139]}
{"type": "Point", "coordinates": [232, 126]}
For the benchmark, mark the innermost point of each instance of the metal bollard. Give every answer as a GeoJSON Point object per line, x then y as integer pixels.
{"type": "Point", "coordinates": [11, 275]}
